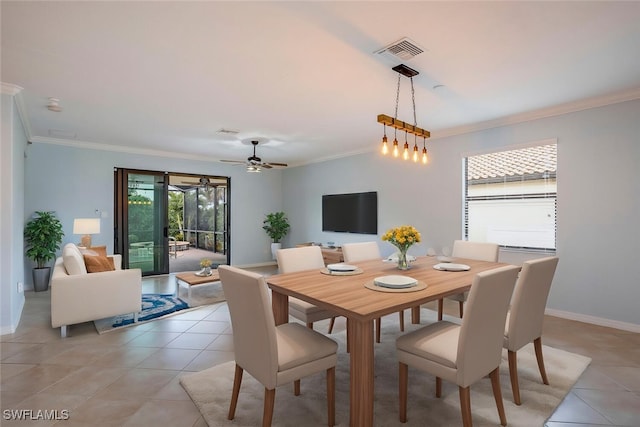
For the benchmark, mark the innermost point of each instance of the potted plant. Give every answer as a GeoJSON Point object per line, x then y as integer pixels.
{"type": "Point", "coordinates": [277, 226]}
{"type": "Point", "coordinates": [43, 235]}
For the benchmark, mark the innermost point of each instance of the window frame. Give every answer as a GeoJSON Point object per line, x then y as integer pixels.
{"type": "Point", "coordinates": [517, 196]}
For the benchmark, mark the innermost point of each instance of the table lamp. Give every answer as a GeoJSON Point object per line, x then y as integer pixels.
{"type": "Point", "coordinates": [86, 227]}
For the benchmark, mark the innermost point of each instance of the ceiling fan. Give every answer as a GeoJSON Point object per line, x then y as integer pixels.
{"type": "Point", "coordinates": [202, 182]}
{"type": "Point", "coordinates": [255, 163]}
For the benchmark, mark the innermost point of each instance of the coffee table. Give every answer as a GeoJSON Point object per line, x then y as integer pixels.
{"type": "Point", "coordinates": [191, 279]}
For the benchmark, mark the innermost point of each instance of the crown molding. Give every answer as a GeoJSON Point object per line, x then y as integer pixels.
{"type": "Point", "coordinates": [557, 110]}
{"type": "Point", "coordinates": [118, 148]}
{"type": "Point", "coordinates": [16, 92]}
{"type": "Point", "coordinates": [10, 89]}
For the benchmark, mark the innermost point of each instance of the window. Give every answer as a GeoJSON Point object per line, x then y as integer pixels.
{"type": "Point", "coordinates": [510, 197]}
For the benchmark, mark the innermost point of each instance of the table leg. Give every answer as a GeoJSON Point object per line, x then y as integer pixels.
{"type": "Point", "coordinates": [415, 315]}
{"type": "Point", "coordinates": [280, 307]}
{"type": "Point", "coordinates": [362, 365]}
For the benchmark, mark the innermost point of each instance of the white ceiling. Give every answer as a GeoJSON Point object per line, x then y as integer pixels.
{"type": "Point", "coordinates": [303, 76]}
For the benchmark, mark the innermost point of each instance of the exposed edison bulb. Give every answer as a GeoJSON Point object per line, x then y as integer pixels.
{"type": "Point", "coordinates": [395, 147]}
{"type": "Point", "coordinates": [385, 145]}
{"type": "Point", "coordinates": [415, 153]}
{"type": "Point", "coordinates": [405, 151]}
{"type": "Point", "coordinates": [425, 159]}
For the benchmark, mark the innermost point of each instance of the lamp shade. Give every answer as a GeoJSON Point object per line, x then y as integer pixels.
{"type": "Point", "coordinates": [86, 226]}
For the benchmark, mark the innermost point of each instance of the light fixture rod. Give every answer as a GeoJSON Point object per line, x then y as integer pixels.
{"type": "Point", "coordinates": [399, 124]}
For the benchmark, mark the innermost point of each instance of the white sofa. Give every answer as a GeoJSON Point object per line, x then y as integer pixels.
{"type": "Point", "coordinates": [78, 296]}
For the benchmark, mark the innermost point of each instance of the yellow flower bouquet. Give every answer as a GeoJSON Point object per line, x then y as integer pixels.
{"type": "Point", "coordinates": [403, 238]}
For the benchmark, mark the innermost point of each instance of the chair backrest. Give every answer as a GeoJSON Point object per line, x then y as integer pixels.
{"type": "Point", "coordinates": [482, 330]}
{"type": "Point", "coordinates": [303, 258]}
{"type": "Point", "coordinates": [354, 252]}
{"type": "Point", "coordinates": [475, 250]}
{"type": "Point", "coordinates": [529, 302]}
{"type": "Point", "coordinates": [254, 329]}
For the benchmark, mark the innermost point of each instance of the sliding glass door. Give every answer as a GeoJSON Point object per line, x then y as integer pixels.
{"type": "Point", "coordinates": [141, 220]}
{"type": "Point", "coordinates": [167, 222]}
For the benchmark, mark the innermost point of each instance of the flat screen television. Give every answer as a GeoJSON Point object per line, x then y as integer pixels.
{"type": "Point", "coordinates": [350, 213]}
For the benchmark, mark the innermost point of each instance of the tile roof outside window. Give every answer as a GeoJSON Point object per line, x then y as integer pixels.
{"type": "Point", "coordinates": [536, 160]}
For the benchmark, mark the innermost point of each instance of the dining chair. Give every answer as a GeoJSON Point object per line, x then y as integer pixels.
{"type": "Point", "coordinates": [273, 355]}
{"type": "Point", "coordinates": [366, 251]}
{"type": "Point", "coordinates": [480, 251]}
{"type": "Point", "coordinates": [526, 315]}
{"type": "Point", "coordinates": [292, 260]}
{"type": "Point", "coordinates": [463, 354]}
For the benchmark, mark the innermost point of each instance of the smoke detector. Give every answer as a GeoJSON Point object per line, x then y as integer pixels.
{"type": "Point", "coordinates": [54, 105]}
{"type": "Point", "coordinates": [403, 49]}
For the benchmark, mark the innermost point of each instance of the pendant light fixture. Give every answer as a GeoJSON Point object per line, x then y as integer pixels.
{"type": "Point", "coordinates": [403, 70]}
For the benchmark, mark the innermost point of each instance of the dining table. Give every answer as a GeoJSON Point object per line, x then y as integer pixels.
{"type": "Point", "coordinates": [353, 294]}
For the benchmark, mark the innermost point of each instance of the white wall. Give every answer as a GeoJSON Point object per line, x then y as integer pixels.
{"type": "Point", "coordinates": [598, 236]}
{"type": "Point", "coordinates": [12, 150]}
{"type": "Point", "coordinates": [75, 182]}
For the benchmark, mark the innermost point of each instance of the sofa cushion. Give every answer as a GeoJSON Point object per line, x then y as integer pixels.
{"type": "Point", "coordinates": [97, 263]}
{"type": "Point", "coordinates": [72, 259]}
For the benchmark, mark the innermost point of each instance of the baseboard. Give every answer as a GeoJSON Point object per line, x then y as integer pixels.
{"type": "Point", "coordinates": [10, 329]}
{"type": "Point", "coordinates": [624, 326]}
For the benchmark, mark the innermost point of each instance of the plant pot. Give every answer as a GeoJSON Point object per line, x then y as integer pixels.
{"type": "Point", "coordinates": [274, 249]}
{"type": "Point", "coordinates": [41, 278]}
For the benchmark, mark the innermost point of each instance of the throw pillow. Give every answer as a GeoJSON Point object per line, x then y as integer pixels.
{"type": "Point", "coordinates": [97, 264]}
{"type": "Point", "coordinates": [72, 259]}
{"type": "Point", "coordinates": [95, 250]}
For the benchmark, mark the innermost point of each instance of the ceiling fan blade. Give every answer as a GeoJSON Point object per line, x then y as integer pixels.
{"type": "Point", "coordinates": [265, 165]}
{"type": "Point", "coordinates": [284, 165]}
{"type": "Point", "coordinates": [240, 162]}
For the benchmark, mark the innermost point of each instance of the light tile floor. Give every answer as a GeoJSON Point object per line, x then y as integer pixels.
{"type": "Point", "coordinates": [131, 377]}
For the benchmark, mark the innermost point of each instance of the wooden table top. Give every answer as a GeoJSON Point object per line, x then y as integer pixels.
{"type": "Point", "coordinates": [191, 278]}
{"type": "Point", "coordinates": [347, 295]}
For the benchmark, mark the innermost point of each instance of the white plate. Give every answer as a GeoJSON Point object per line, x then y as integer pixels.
{"type": "Point", "coordinates": [395, 281]}
{"type": "Point", "coordinates": [448, 266]}
{"type": "Point", "coordinates": [341, 267]}
{"type": "Point", "coordinates": [443, 258]}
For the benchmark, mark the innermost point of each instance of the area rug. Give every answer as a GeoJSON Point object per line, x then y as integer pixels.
{"type": "Point", "coordinates": [210, 390]}
{"type": "Point", "coordinates": [153, 307]}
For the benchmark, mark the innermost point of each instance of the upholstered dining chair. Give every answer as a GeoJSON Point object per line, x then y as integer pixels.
{"type": "Point", "coordinates": [366, 251]}
{"type": "Point", "coordinates": [480, 251]}
{"type": "Point", "coordinates": [525, 317]}
{"type": "Point", "coordinates": [302, 258]}
{"type": "Point", "coordinates": [463, 354]}
{"type": "Point", "coordinates": [273, 355]}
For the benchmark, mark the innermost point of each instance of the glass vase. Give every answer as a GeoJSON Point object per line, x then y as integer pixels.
{"type": "Point", "coordinates": [403, 264]}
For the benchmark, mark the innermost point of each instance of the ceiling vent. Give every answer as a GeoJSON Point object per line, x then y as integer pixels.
{"type": "Point", "coordinates": [403, 49]}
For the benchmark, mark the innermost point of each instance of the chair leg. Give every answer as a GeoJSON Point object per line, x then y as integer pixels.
{"type": "Point", "coordinates": [310, 325]}
{"type": "Point", "coordinates": [296, 387]}
{"type": "Point", "coordinates": [403, 384]}
{"type": "Point", "coordinates": [513, 373]}
{"type": "Point", "coordinates": [537, 343]}
{"type": "Point", "coordinates": [269, 401]}
{"type": "Point", "coordinates": [497, 394]}
{"type": "Point", "coordinates": [465, 405]}
{"type": "Point", "coordinates": [440, 308]}
{"type": "Point", "coordinates": [461, 304]}
{"type": "Point", "coordinates": [237, 380]}
{"type": "Point", "coordinates": [438, 386]}
{"type": "Point", "coordinates": [378, 327]}
{"type": "Point", "coordinates": [333, 321]}
{"type": "Point", "coordinates": [331, 396]}
{"type": "Point", "coordinates": [401, 314]}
